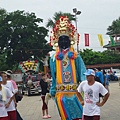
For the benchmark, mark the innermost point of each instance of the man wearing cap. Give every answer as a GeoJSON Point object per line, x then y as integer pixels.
{"type": "Point", "coordinates": [9, 73]}
{"type": "Point", "coordinates": [4, 103]}
{"type": "Point", "coordinates": [91, 89]}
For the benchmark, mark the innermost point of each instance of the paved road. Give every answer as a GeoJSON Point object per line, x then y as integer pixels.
{"type": "Point", "coordinates": [30, 107]}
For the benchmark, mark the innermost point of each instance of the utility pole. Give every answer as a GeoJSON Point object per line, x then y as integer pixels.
{"type": "Point", "coordinates": [76, 12]}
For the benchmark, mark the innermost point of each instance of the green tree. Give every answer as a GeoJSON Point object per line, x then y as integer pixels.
{"type": "Point", "coordinates": [56, 17]}
{"type": "Point", "coordinates": [91, 57]}
{"type": "Point", "coordinates": [114, 28]}
{"type": "Point", "coordinates": [22, 37]}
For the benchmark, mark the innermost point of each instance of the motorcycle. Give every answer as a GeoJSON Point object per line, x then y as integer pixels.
{"type": "Point", "coordinates": [113, 77]}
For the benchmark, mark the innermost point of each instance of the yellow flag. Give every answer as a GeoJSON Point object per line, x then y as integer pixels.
{"type": "Point", "coordinates": [100, 39]}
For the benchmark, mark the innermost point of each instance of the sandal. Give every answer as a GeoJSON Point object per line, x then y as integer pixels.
{"type": "Point", "coordinates": [48, 116]}
{"type": "Point", "coordinates": [45, 117]}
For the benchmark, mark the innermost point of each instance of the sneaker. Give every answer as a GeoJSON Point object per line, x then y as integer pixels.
{"type": "Point", "coordinates": [45, 117]}
{"type": "Point", "coordinates": [48, 116]}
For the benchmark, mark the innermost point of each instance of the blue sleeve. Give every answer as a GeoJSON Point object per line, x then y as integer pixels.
{"type": "Point", "coordinates": [100, 75]}
{"type": "Point", "coordinates": [53, 74]}
{"type": "Point", "coordinates": [80, 69]}
{"type": "Point", "coordinates": [102, 78]}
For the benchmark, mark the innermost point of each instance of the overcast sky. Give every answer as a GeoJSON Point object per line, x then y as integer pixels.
{"type": "Point", "coordinates": [95, 18]}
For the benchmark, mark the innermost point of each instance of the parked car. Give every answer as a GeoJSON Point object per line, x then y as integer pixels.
{"type": "Point", "coordinates": [118, 75]}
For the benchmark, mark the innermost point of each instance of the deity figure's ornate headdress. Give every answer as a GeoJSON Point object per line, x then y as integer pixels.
{"type": "Point", "coordinates": [63, 27]}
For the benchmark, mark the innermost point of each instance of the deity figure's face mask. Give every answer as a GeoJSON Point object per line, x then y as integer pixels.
{"type": "Point", "coordinates": [64, 42]}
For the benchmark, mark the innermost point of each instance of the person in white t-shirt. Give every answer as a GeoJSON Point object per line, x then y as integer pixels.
{"type": "Point", "coordinates": [12, 107]}
{"type": "Point", "coordinates": [9, 76]}
{"type": "Point", "coordinates": [91, 89]}
{"type": "Point", "coordinates": [4, 93]}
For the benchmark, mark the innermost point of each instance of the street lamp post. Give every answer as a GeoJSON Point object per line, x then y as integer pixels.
{"type": "Point", "coordinates": [76, 12]}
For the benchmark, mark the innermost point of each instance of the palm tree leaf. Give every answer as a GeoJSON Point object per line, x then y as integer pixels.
{"type": "Point", "coordinates": [56, 17]}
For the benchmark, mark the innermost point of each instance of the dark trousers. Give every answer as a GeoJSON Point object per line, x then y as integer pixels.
{"type": "Point", "coordinates": [96, 117]}
{"type": "Point", "coordinates": [18, 116]}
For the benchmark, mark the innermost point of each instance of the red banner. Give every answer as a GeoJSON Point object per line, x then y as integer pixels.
{"type": "Point", "coordinates": [86, 39]}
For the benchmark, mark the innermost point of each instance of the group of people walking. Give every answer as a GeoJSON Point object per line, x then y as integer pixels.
{"type": "Point", "coordinates": [90, 101]}
{"type": "Point", "coordinates": [8, 104]}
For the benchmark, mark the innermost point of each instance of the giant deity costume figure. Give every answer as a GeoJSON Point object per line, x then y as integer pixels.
{"type": "Point", "coordinates": [67, 68]}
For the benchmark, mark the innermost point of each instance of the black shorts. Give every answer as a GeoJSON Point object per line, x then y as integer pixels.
{"type": "Point", "coordinates": [95, 117]}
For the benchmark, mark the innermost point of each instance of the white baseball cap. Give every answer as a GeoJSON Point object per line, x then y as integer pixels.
{"type": "Point", "coordinates": [89, 72]}
{"type": "Point", "coordinates": [8, 72]}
